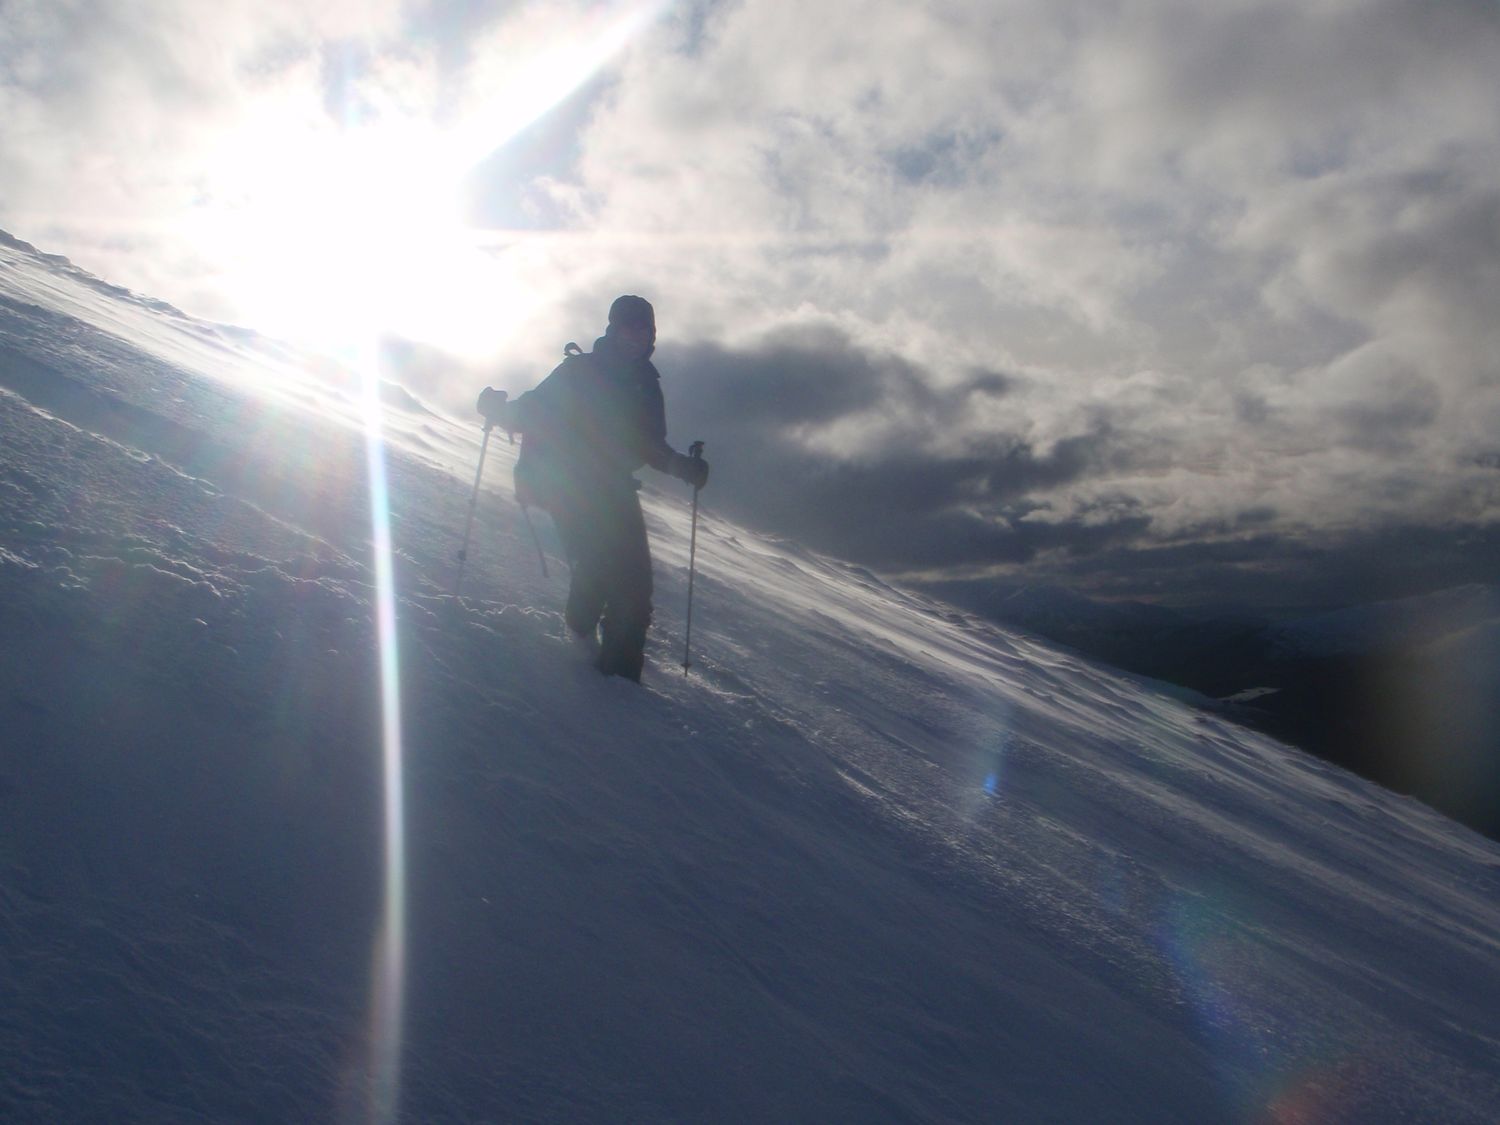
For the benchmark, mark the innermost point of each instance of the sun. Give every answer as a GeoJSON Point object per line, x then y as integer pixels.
{"type": "Point", "coordinates": [332, 233]}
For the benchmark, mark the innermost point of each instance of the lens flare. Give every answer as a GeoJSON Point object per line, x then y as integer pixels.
{"type": "Point", "coordinates": [388, 983]}
{"type": "Point", "coordinates": [1265, 1078]}
{"type": "Point", "coordinates": [364, 239]}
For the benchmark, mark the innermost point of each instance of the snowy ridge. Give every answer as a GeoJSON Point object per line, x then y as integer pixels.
{"type": "Point", "coordinates": [62, 267]}
{"type": "Point", "coordinates": [874, 860]}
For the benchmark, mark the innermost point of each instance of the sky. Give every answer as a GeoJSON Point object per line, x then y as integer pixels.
{"type": "Point", "coordinates": [1185, 302]}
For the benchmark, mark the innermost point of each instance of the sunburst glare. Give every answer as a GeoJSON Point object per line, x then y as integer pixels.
{"type": "Point", "coordinates": [330, 224]}
{"type": "Point", "coordinates": [363, 239]}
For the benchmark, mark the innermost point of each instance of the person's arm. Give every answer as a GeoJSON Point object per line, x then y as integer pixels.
{"type": "Point", "coordinates": [660, 455]}
{"type": "Point", "coordinates": [654, 448]}
{"type": "Point", "coordinates": [495, 410]}
{"type": "Point", "coordinates": [690, 470]}
{"type": "Point", "coordinates": [519, 415]}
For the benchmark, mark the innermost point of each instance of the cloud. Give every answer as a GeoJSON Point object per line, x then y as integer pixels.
{"type": "Point", "coordinates": [861, 454]}
{"type": "Point", "coordinates": [125, 124]}
{"type": "Point", "coordinates": [1054, 284]}
{"type": "Point", "coordinates": [1241, 255]}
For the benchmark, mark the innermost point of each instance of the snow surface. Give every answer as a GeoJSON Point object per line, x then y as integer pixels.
{"type": "Point", "coordinates": [873, 861]}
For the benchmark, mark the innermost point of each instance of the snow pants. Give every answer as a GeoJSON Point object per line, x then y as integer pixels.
{"type": "Point", "coordinates": [604, 536]}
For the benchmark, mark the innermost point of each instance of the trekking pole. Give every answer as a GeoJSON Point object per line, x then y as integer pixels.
{"type": "Point", "coordinates": [695, 451]}
{"type": "Point", "coordinates": [535, 538]}
{"type": "Point", "coordinates": [463, 552]}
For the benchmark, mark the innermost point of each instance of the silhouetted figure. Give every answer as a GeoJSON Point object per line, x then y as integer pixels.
{"type": "Point", "coordinates": [585, 430]}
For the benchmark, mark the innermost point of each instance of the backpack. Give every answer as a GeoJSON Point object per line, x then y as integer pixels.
{"type": "Point", "coordinates": [540, 474]}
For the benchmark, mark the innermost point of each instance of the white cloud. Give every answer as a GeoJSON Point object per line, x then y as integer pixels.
{"type": "Point", "coordinates": [117, 117]}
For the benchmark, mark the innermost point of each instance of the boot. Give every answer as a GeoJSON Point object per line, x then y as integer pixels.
{"type": "Point", "coordinates": [622, 649]}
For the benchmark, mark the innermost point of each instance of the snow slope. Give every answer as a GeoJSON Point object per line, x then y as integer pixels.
{"type": "Point", "coordinates": [873, 861]}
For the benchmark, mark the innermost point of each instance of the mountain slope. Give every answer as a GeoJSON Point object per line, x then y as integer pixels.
{"type": "Point", "coordinates": [873, 860]}
{"type": "Point", "coordinates": [1404, 692]}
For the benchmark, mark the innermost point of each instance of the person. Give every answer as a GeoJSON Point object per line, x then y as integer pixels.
{"type": "Point", "coordinates": [585, 431]}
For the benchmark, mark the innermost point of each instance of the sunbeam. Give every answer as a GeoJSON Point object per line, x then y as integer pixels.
{"type": "Point", "coordinates": [375, 225]}
{"type": "Point", "coordinates": [388, 987]}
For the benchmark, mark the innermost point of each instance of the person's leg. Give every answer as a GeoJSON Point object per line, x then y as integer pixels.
{"type": "Point", "coordinates": [585, 603]}
{"type": "Point", "coordinates": [628, 589]}
{"type": "Point", "coordinates": [579, 531]}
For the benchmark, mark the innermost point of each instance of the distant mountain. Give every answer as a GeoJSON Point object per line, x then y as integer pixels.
{"type": "Point", "coordinates": [62, 266]}
{"type": "Point", "coordinates": [1158, 641]}
{"type": "Point", "coordinates": [1406, 692]}
{"type": "Point", "coordinates": [1389, 625]}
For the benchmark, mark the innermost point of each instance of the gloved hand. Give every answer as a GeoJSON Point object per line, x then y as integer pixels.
{"type": "Point", "coordinates": [492, 406]}
{"type": "Point", "coordinates": [691, 470]}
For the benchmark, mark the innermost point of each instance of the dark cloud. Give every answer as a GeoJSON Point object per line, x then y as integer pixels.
{"type": "Point", "coordinates": [811, 377]}
{"type": "Point", "coordinates": [930, 497]}
{"type": "Point", "coordinates": [938, 500]}
{"type": "Point", "coordinates": [1269, 569]}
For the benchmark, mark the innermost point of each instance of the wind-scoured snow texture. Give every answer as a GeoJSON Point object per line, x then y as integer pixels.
{"type": "Point", "coordinates": [872, 861]}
